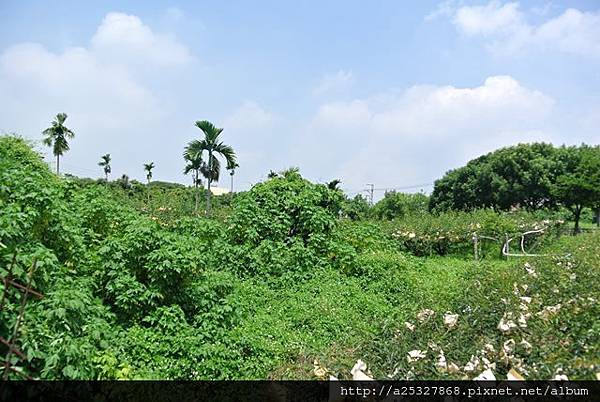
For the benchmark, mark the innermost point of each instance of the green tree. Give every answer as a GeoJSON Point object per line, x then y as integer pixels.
{"type": "Point", "coordinates": [213, 147]}
{"type": "Point", "coordinates": [396, 205]}
{"type": "Point", "coordinates": [578, 186]}
{"type": "Point", "coordinates": [56, 137]}
{"type": "Point", "coordinates": [521, 175]}
{"type": "Point", "coordinates": [148, 168]}
{"type": "Point", "coordinates": [194, 165]}
{"type": "Point", "coordinates": [105, 164]}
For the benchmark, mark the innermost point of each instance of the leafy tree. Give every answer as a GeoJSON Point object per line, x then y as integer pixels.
{"type": "Point", "coordinates": [355, 208]}
{"type": "Point", "coordinates": [212, 145]}
{"type": "Point", "coordinates": [579, 185]}
{"type": "Point", "coordinates": [521, 175]}
{"type": "Point", "coordinates": [194, 165]}
{"type": "Point", "coordinates": [56, 137]}
{"type": "Point", "coordinates": [105, 164]}
{"type": "Point", "coordinates": [396, 205]}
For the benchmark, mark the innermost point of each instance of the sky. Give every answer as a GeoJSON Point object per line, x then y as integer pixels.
{"type": "Point", "coordinates": [384, 92]}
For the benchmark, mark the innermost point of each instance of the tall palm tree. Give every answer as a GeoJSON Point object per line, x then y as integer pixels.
{"type": "Point", "coordinates": [212, 145]}
{"type": "Point", "coordinates": [194, 165]}
{"type": "Point", "coordinates": [231, 173]}
{"type": "Point", "coordinates": [105, 163]}
{"type": "Point", "coordinates": [56, 137]}
{"type": "Point", "coordinates": [148, 168]}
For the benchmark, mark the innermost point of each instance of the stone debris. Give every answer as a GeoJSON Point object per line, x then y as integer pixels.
{"type": "Point", "coordinates": [358, 371]}
{"type": "Point", "coordinates": [318, 370]}
{"type": "Point", "coordinates": [509, 346]}
{"type": "Point", "coordinates": [450, 320]}
{"type": "Point", "coordinates": [453, 368]}
{"type": "Point", "coordinates": [506, 324]}
{"type": "Point", "coordinates": [441, 363]}
{"type": "Point", "coordinates": [513, 375]}
{"type": "Point", "coordinates": [415, 355]}
{"type": "Point", "coordinates": [409, 326]}
{"type": "Point", "coordinates": [487, 375]}
{"type": "Point", "coordinates": [549, 311]}
{"type": "Point", "coordinates": [473, 365]}
{"type": "Point", "coordinates": [425, 315]}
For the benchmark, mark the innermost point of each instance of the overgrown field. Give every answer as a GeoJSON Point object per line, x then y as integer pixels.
{"type": "Point", "coordinates": [285, 281]}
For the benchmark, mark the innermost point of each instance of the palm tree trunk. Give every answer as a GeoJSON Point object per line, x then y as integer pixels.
{"type": "Point", "coordinates": [57, 164]}
{"type": "Point", "coordinates": [196, 191]}
{"type": "Point", "coordinates": [208, 198]}
{"type": "Point", "coordinates": [148, 187]}
{"type": "Point", "coordinates": [232, 184]}
{"type": "Point", "coordinates": [208, 195]}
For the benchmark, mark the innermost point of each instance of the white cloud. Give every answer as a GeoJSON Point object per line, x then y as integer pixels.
{"type": "Point", "coordinates": [506, 29]}
{"type": "Point", "coordinates": [334, 82]}
{"type": "Point", "coordinates": [249, 116]}
{"type": "Point", "coordinates": [126, 36]}
{"type": "Point", "coordinates": [111, 105]}
{"type": "Point", "coordinates": [489, 19]}
{"type": "Point", "coordinates": [414, 136]}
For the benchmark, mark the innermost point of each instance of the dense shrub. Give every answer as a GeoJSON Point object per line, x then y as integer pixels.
{"type": "Point", "coordinates": [284, 224]}
{"type": "Point", "coordinates": [396, 205]}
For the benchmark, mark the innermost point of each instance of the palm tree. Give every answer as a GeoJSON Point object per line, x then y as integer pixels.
{"type": "Point", "coordinates": [56, 137]}
{"type": "Point", "coordinates": [105, 163]}
{"type": "Point", "coordinates": [231, 173]}
{"type": "Point", "coordinates": [194, 165]}
{"type": "Point", "coordinates": [148, 168]}
{"type": "Point", "coordinates": [213, 147]}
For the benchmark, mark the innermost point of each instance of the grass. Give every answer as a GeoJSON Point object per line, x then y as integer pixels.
{"type": "Point", "coordinates": [337, 319]}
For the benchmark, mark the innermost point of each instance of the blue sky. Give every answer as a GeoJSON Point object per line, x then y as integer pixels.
{"type": "Point", "coordinates": [385, 92]}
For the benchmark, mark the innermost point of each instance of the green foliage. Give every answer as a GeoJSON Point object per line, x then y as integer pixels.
{"type": "Point", "coordinates": [519, 175]}
{"type": "Point", "coordinates": [578, 186]}
{"type": "Point", "coordinates": [396, 205]}
{"type": "Point", "coordinates": [452, 232]}
{"type": "Point", "coordinates": [284, 225]}
{"type": "Point", "coordinates": [138, 289]}
{"type": "Point", "coordinates": [355, 208]}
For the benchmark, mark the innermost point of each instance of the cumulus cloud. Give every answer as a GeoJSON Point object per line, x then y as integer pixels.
{"type": "Point", "coordinates": [506, 29]}
{"type": "Point", "coordinates": [334, 82]}
{"type": "Point", "coordinates": [106, 98]}
{"type": "Point", "coordinates": [249, 116]}
{"type": "Point", "coordinates": [126, 36]}
{"type": "Point", "coordinates": [492, 18]}
{"type": "Point", "coordinates": [392, 138]}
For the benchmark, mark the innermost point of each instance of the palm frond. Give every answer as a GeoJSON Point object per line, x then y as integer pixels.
{"type": "Point", "coordinates": [211, 132]}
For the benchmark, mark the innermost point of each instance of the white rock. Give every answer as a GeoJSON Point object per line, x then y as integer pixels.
{"type": "Point", "coordinates": [425, 314]}
{"type": "Point", "coordinates": [487, 375]}
{"type": "Point", "coordinates": [415, 355]}
{"type": "Point", "coordinates": [450, 320]}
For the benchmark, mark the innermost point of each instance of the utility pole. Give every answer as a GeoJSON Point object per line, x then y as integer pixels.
{"type": "Point", "coordinates": [371, 192]}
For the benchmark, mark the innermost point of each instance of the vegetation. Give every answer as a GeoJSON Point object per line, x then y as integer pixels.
{"type": "Point", "coordinates": [105, 165]}
{"type": "Point", "coordinates": [290, 279]}
{"type": "Point", "coordinates": [533, 176]}
{"type": "Point", "coordinates": [56, 137]}
{"type": "Point", "coordinates": [212, 145]}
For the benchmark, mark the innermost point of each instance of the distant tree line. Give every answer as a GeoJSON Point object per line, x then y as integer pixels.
{"type": "Point", "coordinates": [530, 176]}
